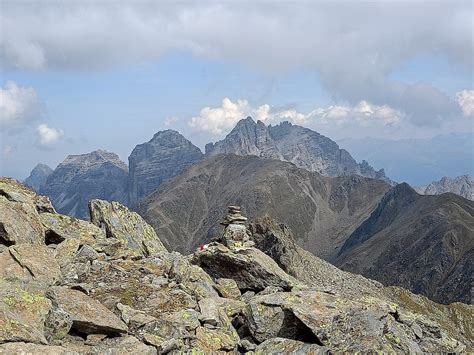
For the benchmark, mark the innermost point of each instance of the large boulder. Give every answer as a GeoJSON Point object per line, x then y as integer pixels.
{"type": "Point", "coordinates": [23, 311]}
{"type": "Point", "coordinates": [59, 227]}
{"type": "Point", "coordinates": [88, 315]}
{"type": "Point", "coordinates": [19, 223]}
{"type": "Point", "coordinates": [289, 346]}
{"type": "Point", "coordinates": [31, 348]}
{"type": "Point", "coordinates": [28, 262]}
{"type": "Point", "coordinates": [342, 324]}
{"type": "Point", "coordinates": [249, 267]}
{"type": "Point", "coordinates": [16, 192]}
{"type": "Point", "coordinates": [128, 227]}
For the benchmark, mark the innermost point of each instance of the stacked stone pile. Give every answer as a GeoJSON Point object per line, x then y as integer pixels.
{"type": "Point", "coordinates": [234, 216]}
{"type": "Point", "coordinates": [236, 234]}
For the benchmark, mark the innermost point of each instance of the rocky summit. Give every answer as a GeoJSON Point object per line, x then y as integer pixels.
{"type": "Point", "coordinates": [38, 176]}
{"type": "Point", "coordinates": [461, 185]}
{"type": "Point", "coordinates": [301, 146]}
{"type": "Point", "coordinates": [68, 286]}
{"type": "Point", "coordinates": [164, 156]}
{"type": "Point", "coordinates": [80, 178]}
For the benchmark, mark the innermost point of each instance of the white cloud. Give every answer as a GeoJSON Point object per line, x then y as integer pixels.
{"type": "Point", "coordinates": [354, 46]}
{"type": "Point", "coordinates": [220, 120]}
{"type": "Point", "coordinates": [364, 113]}
{"type": "Point", "coordinates": [19, 106]}
{"type": "Point", "coordinates": [170, 121]}
{"type": "Point", "coordinates": [47, 136]}
{"type": "Point", "coordinates": [466, 102]}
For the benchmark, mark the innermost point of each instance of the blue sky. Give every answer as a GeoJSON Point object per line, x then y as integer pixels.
{"type": "Point", "coordinates": [94, 80]}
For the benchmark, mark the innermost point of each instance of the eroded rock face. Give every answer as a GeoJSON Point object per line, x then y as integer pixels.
{"type": "Point", "coordinates": [88, 316]}
{"type": "Point", "coordinates": [76, 294]}
{"type": "Point", "coordinates": [461, 185]}
{"type": "Point", "coordinates": [166, 155]}
{"type": "Point", "coordinates": [19, 223]}
{"type": "Point", "coordinates": [126, 226]}
{"type": "Point", "coordinates": [23, 311]}
{"type": "Point", "coordinates": [301, 146]}
{"type": "Point", "coordinates": [81, 178]}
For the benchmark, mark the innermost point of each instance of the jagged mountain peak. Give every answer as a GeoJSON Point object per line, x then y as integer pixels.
{"type": "Point", "coordinates": [80, 178]}
{"type": "Point", "coordinates": [95, 157]}
{"type": "Point", "coordinates": [462, 185]}
{"type": "Point", "coordinates": [302, 146]}
{"type": "Point", "coordinates": [164, 156]}
{"type": "Point", "coordinates": [38, 176]}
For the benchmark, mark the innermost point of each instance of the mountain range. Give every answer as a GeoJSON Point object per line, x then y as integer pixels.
{"type": "Point", "coordinates": [320, 210]}
{"type": "Point", "coordinates": [340, 210]}
{"type": "Point", "coordinates": [168, 153]}
{"type": "Point", "coordinates": [390, 234]}
{"type": "Point", "coordinates": [461, 185]}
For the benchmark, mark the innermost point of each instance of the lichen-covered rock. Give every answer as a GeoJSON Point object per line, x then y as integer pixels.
{"type": "Point", "coordinates": [27, 262]}
{"type": "Point", "coordinates": [288, 346]}
{"type": "Point", "coordinates": [23, 310]}
{"type": "Point", "coordinates": [249, 267]}
{"type": "Point", "coordinates": [31, 348]}
{"type": "Point", "coordinates": [228, 288]}
{"type": "Point", "coordinates": [88, 292]}
{"type": "Point", "coordinates": [213, 340]}
{"type": "Point", "coordinates": [16, 192]}
{"type": "Point", "coordinates": [59, 227]}
{"type": "Point", "coordinates": [88, 316]}
{"type": "Point", "coordinates": [211, 308]}
{"type": "Point", "coordinates": [179, 325]}
{"type": "Point", "coordinates": [128, 227]}
{"type": "Point", "coordinates": [19, 223]}
{"type": "Point", "coordinates": [342, 324]}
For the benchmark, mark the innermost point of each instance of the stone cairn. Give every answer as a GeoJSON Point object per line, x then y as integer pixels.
{"type": "Point", "coordinates": [236, 234]}
{"type": "Point", "coordinates": [234, 216]}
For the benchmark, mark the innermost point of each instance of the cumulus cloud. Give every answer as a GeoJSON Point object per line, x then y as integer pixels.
{"type": "Point", "coordinates": [19, 106]}
{"type": "Point", "coordinates": [47, 136]}
{"type": "Point", "coordinates": [354, 46]}
{"type": "Point", "coordinates": [219, 120]}
{"type": "Point", "coordinates": [465, 100]}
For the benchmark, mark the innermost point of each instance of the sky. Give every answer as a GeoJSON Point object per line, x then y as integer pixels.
{"type": "Point", "coordinates": [82, 75]}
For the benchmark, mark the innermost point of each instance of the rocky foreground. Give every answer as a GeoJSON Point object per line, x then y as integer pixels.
{"type": "Point", "coordinates": [69, 286]}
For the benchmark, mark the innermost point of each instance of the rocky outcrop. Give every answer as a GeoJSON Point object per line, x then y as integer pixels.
{"type": "Point", "coordinates": [127, 227]}
{"type": "Point", "coordinates": [38, 176]}
{"type": "Point", "coordinates": [123, 303]}
{"type": "Point", "coordinates": [166, 155]}
{"type": "Point", "coordinates": [422, 243]}
{"type": "Point", "coordinates": [461, 185]}
{"type": "Point", "coordinates": [322, 211]}
{"type": "Point", "coordinates": [81, 178]}
{"type": "Point", "coordinates": [301, 146]}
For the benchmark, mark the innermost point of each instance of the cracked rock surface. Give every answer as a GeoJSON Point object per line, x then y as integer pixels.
{"type": "Point", "coordinates": [73, 287]}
